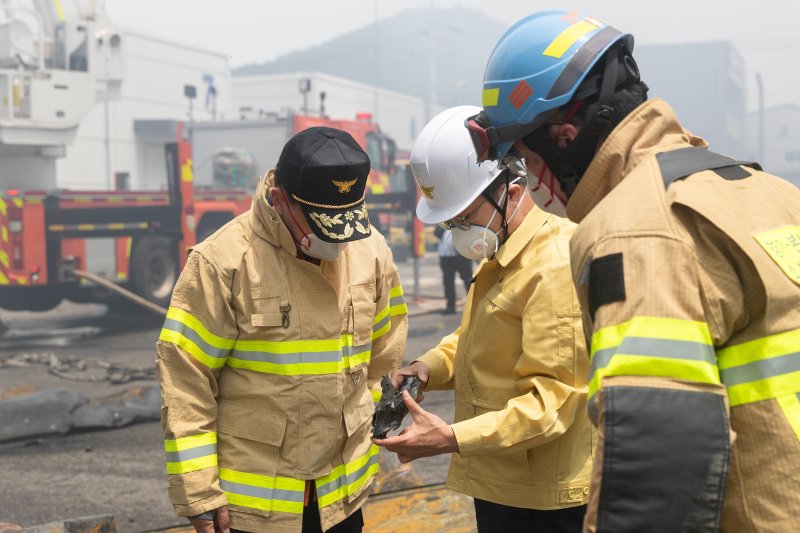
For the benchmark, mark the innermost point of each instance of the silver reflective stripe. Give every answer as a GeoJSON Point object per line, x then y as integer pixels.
{"type": "Point", "coordinates": [397, 300]}
{"type": "Point", "coordinates": [349, 351]}
{"type": "Point", "coordinates": [352, 477]}
{"type": "Point", "coordinates": [262, 492]}
{"type": "Point", "coordinates": [650, 347]}
{"type": "Point", "coordinates": [287, 358]}
{"type": "Point", "coordinates": [382, 322]}
{"type": "Point", "coordinates": [192, 335]}
{"type": "Point", "coordinates": [765, 368]}
{"type": "Point", "coordinates": [191, 453]}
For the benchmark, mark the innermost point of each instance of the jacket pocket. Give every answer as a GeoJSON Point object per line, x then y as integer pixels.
{"type": "Point", "coordinates": [249, 445]}
{"type": "Point", "coordinates": [358, 405]}
{"type": "Point", "coordinates": [270, 308]}
{"type": "Point", "coordinates": [364, 308]}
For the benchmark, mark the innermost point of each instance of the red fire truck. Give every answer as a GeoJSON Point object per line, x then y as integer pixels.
{"type": "Point", "coordinates": [138, 239]}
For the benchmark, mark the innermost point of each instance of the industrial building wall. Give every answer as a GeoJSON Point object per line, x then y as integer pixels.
{"type": "Point", "coordinates": [781, 141]}
{"type": "Point", "coordinates": [705, 85]}
{"type": "Point", "coordinates": [155, 72]}
{"type": "Point", "coordinates": [399, 115]}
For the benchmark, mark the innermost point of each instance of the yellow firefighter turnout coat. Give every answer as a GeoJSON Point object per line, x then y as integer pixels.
{"type": "Point", "coordinates": [690, 284]}
{"type": "Point", "coordinates": [269, 366]}
{"type": "Point", "coordinates": [518, 365]}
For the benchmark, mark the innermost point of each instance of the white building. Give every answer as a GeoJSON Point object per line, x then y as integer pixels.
{"type": "Point", "coordinates": [781, 141]}
{"type": "Point", "coordinates": [107, 150]}
{"type": "Point", "coordinates": [399, 115]}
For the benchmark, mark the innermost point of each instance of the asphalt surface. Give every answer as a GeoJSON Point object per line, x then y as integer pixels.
{"type": "Point", "coordinates": [121, 471]}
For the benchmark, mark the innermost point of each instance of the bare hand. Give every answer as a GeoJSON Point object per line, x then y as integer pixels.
{"type": "Point", "coordinates": [417, 368]}
{"type": "Point", "coordinates": [427, 436]}
{"type": "Point", "coordinates": [220, 524]}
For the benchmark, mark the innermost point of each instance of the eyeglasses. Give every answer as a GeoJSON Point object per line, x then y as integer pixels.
{"type": "Point", "coordinates": [458, 222]}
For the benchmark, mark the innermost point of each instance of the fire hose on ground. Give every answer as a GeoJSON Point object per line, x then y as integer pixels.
{"type": "Point", "coordinates": [121, 291]}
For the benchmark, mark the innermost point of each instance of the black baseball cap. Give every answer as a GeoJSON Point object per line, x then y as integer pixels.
{"type": "Point", "coordinates": [325, 171]}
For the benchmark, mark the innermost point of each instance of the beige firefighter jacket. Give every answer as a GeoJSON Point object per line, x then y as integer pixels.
{"type": "Point", "coordinates": [518, 365]}
{"type": "Point", "coordinates": [269, 366]}
{"type": "Point", "coordinates": [691, 295]}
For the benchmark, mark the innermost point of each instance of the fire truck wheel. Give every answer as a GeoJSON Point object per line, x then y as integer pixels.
{"type": "Point", "coordinates": [154, 270]}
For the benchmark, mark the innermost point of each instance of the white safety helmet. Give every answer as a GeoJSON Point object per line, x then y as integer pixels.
{"type": "Point", "coordinates": [444, 167]}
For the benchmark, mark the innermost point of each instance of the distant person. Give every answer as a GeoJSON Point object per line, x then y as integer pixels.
{"type": "Point", "coordinates": [687, 265]}
{"type": "Point", "coordinates": [451, 262]}
{"type": "Point", "coordinates": [522, 443]}
{"type": "Point", "coordinates": [280, 328]}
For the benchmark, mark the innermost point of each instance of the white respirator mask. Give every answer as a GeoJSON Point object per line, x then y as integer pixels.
{"type": "Point", "coordinates": [477, 242]}
{"type": "Point", "coordinates": [544, 188]}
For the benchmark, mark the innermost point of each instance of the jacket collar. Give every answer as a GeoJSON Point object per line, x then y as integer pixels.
{"type": "Point", "coordinates": [650, 128]}
{"type": "Point", "coordinates": [265, 221]}
{"type": "Point", "coordinates": [526, 231]}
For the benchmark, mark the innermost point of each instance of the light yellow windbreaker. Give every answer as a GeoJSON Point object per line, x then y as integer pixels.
{"type": "Point", "coordinates": [518, 364]}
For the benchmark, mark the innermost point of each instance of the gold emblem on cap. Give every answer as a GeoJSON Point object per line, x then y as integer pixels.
{"type": "Point", "coordinates": [344, 186]}
{"type": "Point", "coordinates": [427, 192]}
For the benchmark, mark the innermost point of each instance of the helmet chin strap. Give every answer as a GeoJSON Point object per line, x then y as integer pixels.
{"type": "Point", "coordinates": [501, 209]}
{"type": "Point", "coordinates": [568, 164]}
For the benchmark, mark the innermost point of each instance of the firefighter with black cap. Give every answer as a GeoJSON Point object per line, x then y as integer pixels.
{"type": "Point", "coordinates": [279, 330]}
{"type": "Point", "coordinates": [687, 266]}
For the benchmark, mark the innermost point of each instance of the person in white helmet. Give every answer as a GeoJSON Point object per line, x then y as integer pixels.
{"type": "Point", "coordinates": [522, 443]}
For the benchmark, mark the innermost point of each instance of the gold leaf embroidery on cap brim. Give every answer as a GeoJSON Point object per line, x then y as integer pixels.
{"type": "Point", "coordinates": [326, 222]}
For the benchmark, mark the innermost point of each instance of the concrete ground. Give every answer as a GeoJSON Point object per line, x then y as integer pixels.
{"type": "Point", "coordinates": [121, 471]}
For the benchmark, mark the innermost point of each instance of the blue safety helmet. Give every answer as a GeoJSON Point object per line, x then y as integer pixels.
{"type": "Point", "coordinates": [536, 67]}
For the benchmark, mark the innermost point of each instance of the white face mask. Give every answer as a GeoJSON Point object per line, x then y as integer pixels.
{"type": "Point", "coordinates": [313, 246]}
{"type": "Point", "coordinates": [544, 188]}
{"type": "Point", "coordinates": [479, 242]}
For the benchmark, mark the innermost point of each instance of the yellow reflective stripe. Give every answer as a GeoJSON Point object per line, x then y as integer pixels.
{"type": "Point", "coordinates": [191, 348]}
{"type": "Point", "coordinates": [790, 405]}
{"type": "Point", "coordinates": [3, 209]}
{"type": "Point", "coordinates": [653, 346]}
{"type": "Point", "coordinates": [489, 97]}
{"type": "Point", "coordinates": [759, 349]}
{"type": "Point", "coordinates": [4, 259]}
{"type": "Point", "coordinates": [627, 365]}
{"type": "Point", "coordinates": [258, 480]}
{"type": "Point", "coordinates": [347, 478]}
{"type": "Point", "coordinates": [4, 234]}
{"type": "Point", "coordinates": [188, 454]}
{"type": "Point", "coordinates": [192, 465]}
{"type": "Point", "coordinates": [286, 370]}
{"type": "Point", "coordinates": [185, 443]}
{"type": "Point", "coordinates": [264, 504]}
{"type": "Point", "coordinates": [285, 347]}
{"type": "Point", "coordinates": [653, 328]}
{"type": "Point", "coordinates": [383, 330]}
{"type": "Point", "coordinates": [3, 279]}
{"type": "Point", "coordinates": [764, 389]}
{"type": "Point", "coordinates": [376, 395]}
{"type": "Point", "coordinates": [263, 492]}
{"type": "Point", "coordinates": [380, 316]}
{"type": "Point", "coordinates": [567, 38]}
{"type": "Point", "coordinates": [188, 333]}
{"type": "Point", "coordinates": [397, 301]}
{"type": "Point", "coordinates": [192, 322]}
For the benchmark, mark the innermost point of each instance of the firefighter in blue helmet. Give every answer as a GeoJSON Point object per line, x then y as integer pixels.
{"type": "Point", "coordinates": [686, 267]}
